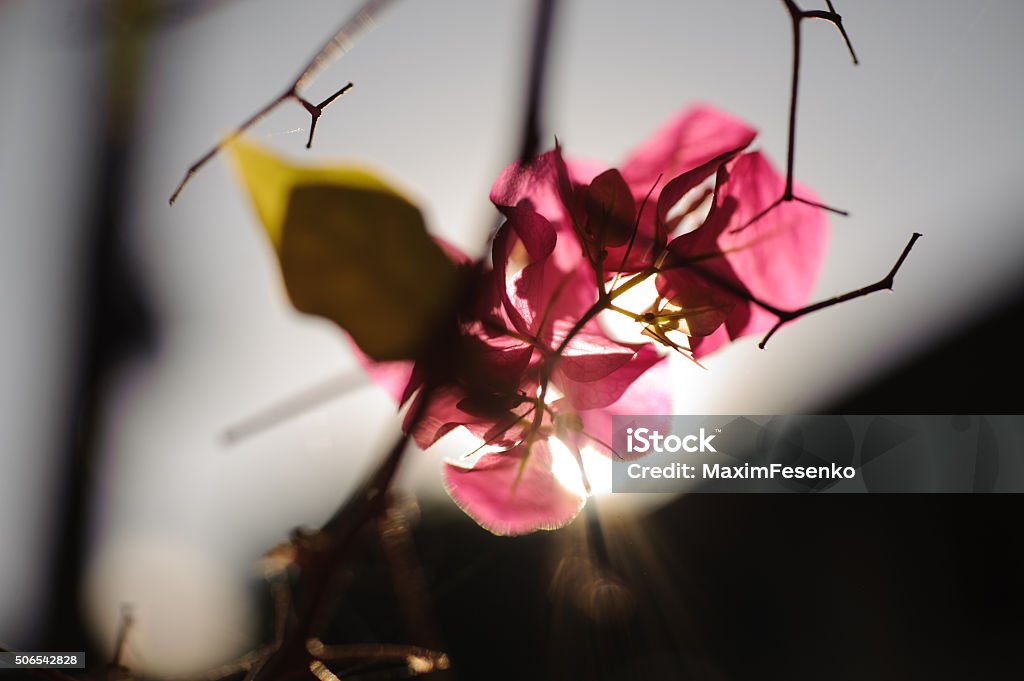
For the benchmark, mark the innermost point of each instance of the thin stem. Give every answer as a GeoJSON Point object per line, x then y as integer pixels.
{"type": "Point", "coordinates": [341, 42]}
{"type": "Point", "coordinates": [785, 316]}
{"type": "Point", "coordinates": [316, 110]}
{"type": "Point", "coordinates": [838, 21]}
{"type": "Point", "coordinates": [883, 284]}
{"type": "Point", "coordinates": [831, 209]}
{"type": "Point", "coordinates": [621, 310]}
{"type": "Point", "coordinates": [797, 16]}
{"type": "Point", "coordinates": [795, 19]}
{"type": "Point", "coordinates": [640, 277]}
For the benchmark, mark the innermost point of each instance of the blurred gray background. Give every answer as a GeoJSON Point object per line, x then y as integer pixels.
{"type": "Point", "coordinates": [923, 136]}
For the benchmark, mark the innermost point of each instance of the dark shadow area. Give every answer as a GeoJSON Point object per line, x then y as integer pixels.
{"type": "Point", "coordinates": [727, 587]}
{"type": "Point", "coordinates": [974, 372]}
{"type": "Point", "coordinates": [748, 586]}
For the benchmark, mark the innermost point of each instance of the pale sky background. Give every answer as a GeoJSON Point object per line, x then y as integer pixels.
{"type": "Point", "coordinates": [923, 136]}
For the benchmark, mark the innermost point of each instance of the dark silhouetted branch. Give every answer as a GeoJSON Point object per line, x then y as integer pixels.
{"type": "Point", "coordinates": [340, 43]}
{"type": "Point", "coordinates": [785, 316]}
{"type": "Point", "coordinates": [883, 284]}
{"type": "Point", "coordinates": [797, 17]}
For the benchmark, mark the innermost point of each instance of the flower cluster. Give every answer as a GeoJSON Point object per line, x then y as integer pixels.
{"type": "Point", "coordinates": [690, 211]}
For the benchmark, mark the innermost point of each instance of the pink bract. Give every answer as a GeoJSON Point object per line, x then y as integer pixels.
{"type": "Point", "coordinates": [513, 492]}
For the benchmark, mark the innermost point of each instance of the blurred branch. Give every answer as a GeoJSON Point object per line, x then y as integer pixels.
{"type": "Point", "coordinates": [294, 405]}
{"type": "Point", "coordinates": [149, 16]}
{"type": "Point", "coordinates": [407, 573]}
{"type": "Point", "coordinates": [341, 42]}
{"type": "Point", "coordinates": [127, 620]}
{"type": "Point", "coordinates": [542, 30]}
{"type": "Point", "coordinates": [113, 319]}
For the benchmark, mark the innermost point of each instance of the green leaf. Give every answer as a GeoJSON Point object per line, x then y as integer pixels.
{"type": "Point", "coordinates": [352, 250]}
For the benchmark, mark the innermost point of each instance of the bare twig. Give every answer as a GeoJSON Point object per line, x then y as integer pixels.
{"type": "Point", "coordinates": [340, 43]}
{"type": "Point", "coordinates": [797, 17]}
{"type": "Point", "coordinates": [883, 284]}
{"type": "Point", "coordinates": [785, 316]}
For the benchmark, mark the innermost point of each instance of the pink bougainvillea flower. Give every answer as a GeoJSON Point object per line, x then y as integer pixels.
{"type": "Point", "coordinates": [581, 197]}
{"type": "Point", "coordinates": [533, 363]}
{"type": "Point", "coordinates": [776, 258]}
{"type": "Point", "coordinates": [526, 309]}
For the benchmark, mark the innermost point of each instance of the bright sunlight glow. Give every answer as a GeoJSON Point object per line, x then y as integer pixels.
{"type": "Point", "coordinates": [637, 299]}
{"type": "Point", "coordinates": [597, 467]}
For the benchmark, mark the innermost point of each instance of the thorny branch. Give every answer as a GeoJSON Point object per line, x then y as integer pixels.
{"type": "Point", "coordinates": [340, 43]}
{"type": "Point", "coordinates": [883, 284]}
{"type": "Point", "coordinates": [786, 316]}
{"type": "Point", "coordinates": [797, 17]}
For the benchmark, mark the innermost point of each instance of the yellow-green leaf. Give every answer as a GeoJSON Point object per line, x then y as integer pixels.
{"type": "Point", "coordinates": [352, 250]}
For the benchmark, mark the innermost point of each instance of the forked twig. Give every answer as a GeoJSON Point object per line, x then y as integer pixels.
{"type": "Point", "coordinates": [340, 43]}
{"type": "Point", "coordinates": [883, 284]}
{"type": "Point", "coordinates": [797, 17]}
{"type": "Point", "coordinates": [785, 316]}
